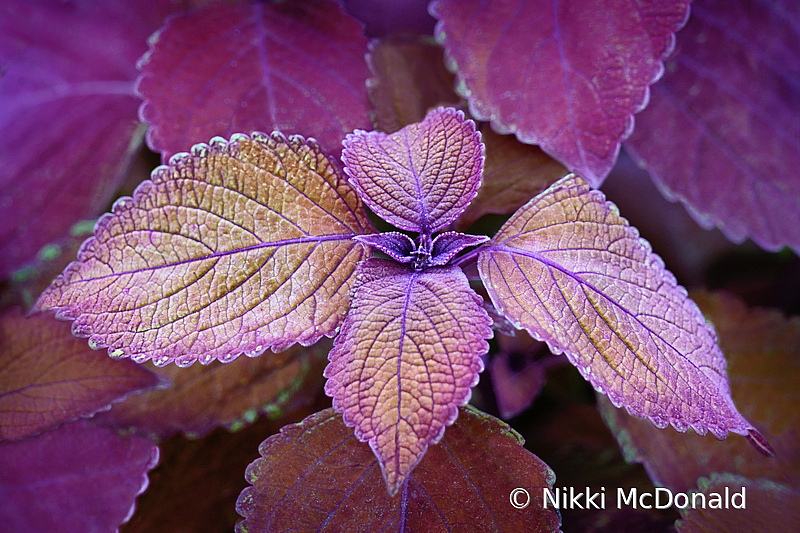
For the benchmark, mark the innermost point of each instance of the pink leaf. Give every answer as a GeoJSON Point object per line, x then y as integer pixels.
{"type": "Point", "coordinates": [421, 177]}
{"type": "Point", "coordinates": [292, 66]}
{"type": "Point", "coordinates": [235, 248]}
{"type": "Point", "coordinates": [567, 76]}
{"type": "Point", "coordinates": [49, 376]}
{"type": "Point", "coordinates": [407, 356]}
{"type": "Point", "coordinates": [67, 113]}
{"type": "Point", "coordinates": [75, 479]}
{"type": "Point", "coordinates": [723, 132]}
{"type": "Point", "coordinates": [568, 269]}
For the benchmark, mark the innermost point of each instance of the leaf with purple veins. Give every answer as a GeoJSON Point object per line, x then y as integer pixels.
{"type": "Point", "coordinates": [237, 247]}
{"type": "Point", "coordinates": [396, 245]}
{"type": "Point", "coordinates": [408, 355]}
{"type": "Point", "coordinates": [446, 245]}
{"type": "Point", "coordinates": [568, 269]}
{"type": "Point", "coordinates": [49, 376]}
{"type": "Point", "coordinates": [421, 177]}
{"type": "Point", "coordinates": [564, 75]}
{"type": "Point", "coordinates": [291, 66]}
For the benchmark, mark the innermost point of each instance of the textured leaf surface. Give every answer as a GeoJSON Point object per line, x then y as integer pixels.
{"type": "Point", "coordinates": [421, 177]}
{"type": "Point", "coordinates": [567, 268]}
{"type": "Point", "coordinates": [47, 376]}
{"type": "Point", "coordinates": [396, 245]}
{"type": "Point", "coordinates": [235, 248]}
{"type": "Point", "coordinates": [68, 122]}
{"type": "Point", "coordinates": [563, 75]}
{"type": "Point", "coordinates": [723, 132]}
{"type": "Point", "coordinates": [407, 356]}
{"type": "Point", "coordinates": [769, 507]}
{"type": "Point", "coordinates": [291, 66]}
{"type": "Point", "coordinates": [408, 79]}
{"type": "Point", "coordinates": [446, 245]}
{"type": "Point", "coordinates": [75, 479]}
{"type": "Point", "coordinates": [317, 476]}
{"type": "Point", "coordinates": [230, 395]}
{"type": "Point", "coordinates": [763, 352]}
{"type": "Point", "coordinates": [512, 174]}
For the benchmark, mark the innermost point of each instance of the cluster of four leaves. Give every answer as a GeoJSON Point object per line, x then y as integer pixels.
{"type": "Point", "coordinates": [263, 242]}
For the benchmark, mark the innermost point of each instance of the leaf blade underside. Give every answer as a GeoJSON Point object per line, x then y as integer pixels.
{"type": "Point", "coordinates": [237, 247]}
{"type": "Point", "coordinates": [399, 376]}
{"type": "Point", "coordinates": [597, 293]}
{"type": "Point", "coordinates": [422, 177]}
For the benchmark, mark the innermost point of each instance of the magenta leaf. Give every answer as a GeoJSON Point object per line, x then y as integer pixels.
{"type": "Point", "coordinates": [421, 177]}
{"type": "Point", "coordinates": [565, 76]}
{"type": "Point", "coordinates": [315, 476]}
{"type": "Point", "coordinates": [407, 356]}
{"type": "Point", "coordinates": [722, 134]}
{"type": "Point", "coordinates": [75, 479]}
{"type": "Point", "coordinates": [67, 114]}
{"type": "Point", "coordinates": [597, 293]}
{"type": "Point", "coordinates": [237, 247]}
{"type": "Point", "coordinates": [396, 245]}
{"type": "Point", "coordinates": [49, 376]}
{"type": "Point", "coordinates": [446, 245]}
{"type": "Point", "coordinates": [292, 66]}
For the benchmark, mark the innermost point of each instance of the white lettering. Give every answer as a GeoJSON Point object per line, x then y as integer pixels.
{"type": "Point", "coordinates": [622, 500]}
{"type": "Point", "coordinates": [667, 494]}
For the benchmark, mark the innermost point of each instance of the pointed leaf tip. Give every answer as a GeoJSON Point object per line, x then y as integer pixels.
{"type": "Point", "coordinates": [235, 248]}
{"type": "Point", "coordinates": [422, 177]}
{"type": "Point", "coordinates": [408, 355]}
{"type": "Point", "coordinates": [567, 268]}
{"type": "Point", "coordinates": [760, 443]}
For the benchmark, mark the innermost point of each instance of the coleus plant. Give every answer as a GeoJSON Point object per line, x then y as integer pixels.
{"type": "Point", "coordinates": [299, 67]}
{"type": "Point", "coordinates": [261, 242]}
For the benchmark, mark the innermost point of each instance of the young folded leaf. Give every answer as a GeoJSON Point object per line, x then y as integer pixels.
{"type": "Point", "coordinates": [407, 357]}
{"type": "Point", "coordinates": [237, 247]}
{"type": "Point", "coordinates": [572, 272]}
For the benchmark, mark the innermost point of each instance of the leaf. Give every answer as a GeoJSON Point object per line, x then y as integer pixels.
{"type": "Point", "coordinates": [446, 245]}
{"type": "Point", "coordinates": [421, 177]}
{"type": "Point", "coordinates": [568, 269]}
{"type": "Point", "coordinates": [50, 377]}
{"type": "Point", "coordinates": [407, 356]}
{"type": "Point", "coordinates": [762, 348]}
{"type": "Point", "coordinates": [75, 479]}
{"type": "Point", "coordinates": [512, 174]}
{"type": "Point", "coordinates": [68, 114]}
{"type": "Point", "coordinates": [316, 476]}
{"type": "Point", "coordinates": [722, 134]}
{"type": "Point", "coordinates": [291, 66]}
{"type": "Point", "coordinates": [408, 80]}
{"type": "Point", "coordinates": [238, 247]}
{"type": "Point", "coordinates": [231, 395]}
{"type": "Point", "coordinates": [768, 507]}
{"type": "Point", "coordinates": [396, 245]}
{"type": "Point", "coordinates": [565, 76]}
{"type": "Point", "coordinates": [517, 376]}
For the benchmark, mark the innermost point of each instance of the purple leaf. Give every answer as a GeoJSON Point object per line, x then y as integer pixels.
{"type": "Point", "coordinates": [407, 356]}
{"type": "Point", "coordinates": [566, 76]}
{"type": "Point", "coordinates": [67, 114]}
{"type": "Point", "coordinates": [409, 79]}
{"type": "Point", "coordinates": [396, 245]}
{"type": "Point", "coordinates": [315, 476]}
{"type": "Point", "coordinates": [49, 376]}
{"type": "Point", "coordinates": [517, 378]}
{"type": "Point", "coordinates": [446, 245]}
{"type": "Point", "coordinates": [238, 247]}
{"type": "Point", "coordinates": [292, 66]}
{"type": "Point", "coordinates": [722, 134]}
{"type": "Point", "coordinates": [77, 478]}
{"type": "Point", "coordinates": [421, 177]}
{"type": "Point", "coordinates": [568, 269]}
